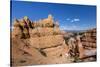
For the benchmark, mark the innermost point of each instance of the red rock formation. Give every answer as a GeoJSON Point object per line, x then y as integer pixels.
{"type": "Point", "coordinates": [38, 43]}
{"type": "Point", "coordinates": [82, 46]}
{"type": "Point", "coordinates": [89, 42]}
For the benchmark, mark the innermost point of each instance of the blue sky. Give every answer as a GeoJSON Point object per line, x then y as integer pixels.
{"type": "Point", "coordinates": [69, 16]}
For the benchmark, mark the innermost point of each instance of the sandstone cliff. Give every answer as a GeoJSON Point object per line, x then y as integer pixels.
{"type": "Point", "coordinates": [82, 45]}
{"type": "Point", "coordinates": [38, 42]}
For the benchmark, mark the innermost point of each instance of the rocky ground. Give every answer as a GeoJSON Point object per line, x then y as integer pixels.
{"type": "Point", "coordinates": [42, 42]}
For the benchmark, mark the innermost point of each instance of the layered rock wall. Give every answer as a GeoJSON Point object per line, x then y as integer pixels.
{"type": "Point", "coordinates": [37, 43]}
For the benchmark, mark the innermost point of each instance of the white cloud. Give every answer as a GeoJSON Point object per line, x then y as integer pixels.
{"type": "Point", "coordinates": [75, 20]}
{"type": "Point", "coordinates": [68, 19]}
{"type": "Point", "coordinates": [72, 21]}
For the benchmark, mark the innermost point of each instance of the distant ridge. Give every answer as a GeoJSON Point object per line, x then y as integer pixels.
{"type": "Point", "coordinates": [73, 31]}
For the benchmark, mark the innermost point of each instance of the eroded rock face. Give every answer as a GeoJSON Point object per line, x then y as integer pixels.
{"type": "Point", "coordinates": [82, 45]}
{"type": "Point", "coordinates": [89, 43]}
{"type": "Point", "coordinates": [89, 38]}
{"type": "Point", "coordinates": [38, 43]}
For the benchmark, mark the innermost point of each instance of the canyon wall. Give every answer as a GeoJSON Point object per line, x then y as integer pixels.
{"type": "Point", "coordinates": [38, 42]}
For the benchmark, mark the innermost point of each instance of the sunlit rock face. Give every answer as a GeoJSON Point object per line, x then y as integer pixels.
{"type": "Point", "coordinates": [38, 42]}
{"type": "Point", "coordinates": [82, 45]}
{"type": "Point", "coordinates": [89, 38]}
{"type": "Point", "coordinates": [89, 43]}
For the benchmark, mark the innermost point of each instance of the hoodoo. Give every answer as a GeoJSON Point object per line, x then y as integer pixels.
{"type": "Point", "coordinates": [43, 44]}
